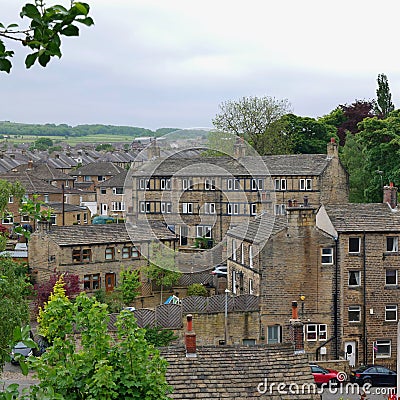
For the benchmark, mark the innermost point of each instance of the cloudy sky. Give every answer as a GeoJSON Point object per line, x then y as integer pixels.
{"type": "Point", "coordinates": [170, 63]}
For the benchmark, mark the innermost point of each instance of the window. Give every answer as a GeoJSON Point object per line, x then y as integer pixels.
{"type": "Point", "coordinates": [316, 332]}
{"type": "Point", "coordinates": [253, 208]}
{"type": "Point", "coordinates": [236, 184]}
{"type": "Point", "coordinates": [277, 184]}
{"type": "Point", "coordinates": [118, 190]}
{"type": "Point", "coordinates": [257, 184]}
{"type": "Point", "coordinates": [11, 199]}
{"type": "Point", "coordinates": [233, 208]}
{"type": "Point", "coordinates": [103, 190]}
{"type": "Point", "coordinates": [354, 278]}
{"type": "Point", "coordinates": [101, 178]}
{"type": "Point", "coordinates": [87, 178]}
{"type": "Point", "coordinates": [165, 184]}
{"type": "Point", "coordinates": [25, 218]}
{"type": "Point", "coordinates": [130, 252]}
{"type": "Point", "coordinates": [187, 184]}
{"type": "Point", "coordinates": [234, 255]}
{"type": "Point", "coordinates": [251, 286]}
{"type": "Point", "coordinates": [46, 198]}
{"type": "Point", "coordinates": [209, 208]}
{"type": "Point", "coordinates": [229, 184]}
{"type": "Point", "coordinates": [142, 207]}
{"type": "Point", "coordinates": [283, 184]}
{"type": "Point", "coordinates": [354, 313]}
{"type": "Point", "coordinates": [383, 348]}
{"type": "Point", "coordinates": [118, 206]}
{"type": "Point", "coordinates": [78, 219]}
{"type": "Point", "coordinates": [242, 253]}
{"type": "Point", "coordinates": [391, 313]}
{"type": "Point", "coordinates": [392, 244]}
{"type": "Point", "coordinates": [81, 255]}
{"type": "Point", "coordinates": [280, 209]}
{"type": "Point", "coordinates": [85, 218]}
{"type": "Point", "coordinates": [305, 184]}
{"type": "Point", "coordinates": [91, 282]}
{"type": "Point", "coordinates": [8, 218]}
{"type": "Point", "coordinates": [391, 277]}
{"type": "Point", "coordinates": [53, 219]}
{"type": "Point", "coordinates": [274, 334]}
{"type": "Point", "coordinates": [187, 208]}
{"type": "Point", "coordinates": [233, 281]}
{"type": "Point", "coordinates": [354, 245]}
{"type": "Point", "coordinates": [327, 255]}
{"type": "Point", "coordinates": [109, 254]}
{"type": "Point", "coordinates": [209, 184]}
{"type": "Point", "coordinates": [203, 231]}
{"type": "Point", "coordinates": [166, 208]}
{"type": "Point", "coordinates": [144, 184]}
{"type": "Point", "coordinates": [251, 262]}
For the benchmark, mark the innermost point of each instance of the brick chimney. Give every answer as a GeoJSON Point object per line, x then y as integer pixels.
{"type": "Point", "coordinates": [390, 195]}
{"type": "Point", "coordinates": [153, 150]}
{"type": "Point", "coordinates": [190, 337]}
{"type": "Point", "coordinates": [332, 149]}
{"type": "Point", "coordinates": [296, 330]}
{"type": "Point", "coordinates": [239, 148]}
{"type": "Point", "coordinates": [302, 214]}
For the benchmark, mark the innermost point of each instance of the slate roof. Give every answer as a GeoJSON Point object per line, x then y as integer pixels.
{"type": "Point", "coordinates": [368, 217]}
{"type": "Point", "coordinates": [67, 207]}
{"type": "Point", "coordinates": [97, 168]}
{"type": "Point", "coordinates": [31, 184]}
{"type": "Point", "coordinates": [108, 233]}
{"type": "Point", "coordinates": [236, 372]}
{"type": "Point", "coordinates": [44, 171]}
{"type": "Point", "coordinates": [115, 181]}
{"type": "Point", "coordinates": [292, 165]}
{"type": "Point", "coordinates": [259, 228]}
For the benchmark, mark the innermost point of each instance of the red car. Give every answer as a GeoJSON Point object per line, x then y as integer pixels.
{"type": "Point", "coordinates": [323, 375]}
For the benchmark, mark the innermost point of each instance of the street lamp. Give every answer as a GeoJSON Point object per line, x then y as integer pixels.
{"type": "Point", "coordinates": [226, 316]}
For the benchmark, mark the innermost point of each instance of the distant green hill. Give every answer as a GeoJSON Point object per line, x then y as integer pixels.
{"type": "Point", "coordinates": [14, 129]}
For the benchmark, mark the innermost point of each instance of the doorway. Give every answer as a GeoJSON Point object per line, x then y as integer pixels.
{"type": "Point", "coordinates": [350, 352]}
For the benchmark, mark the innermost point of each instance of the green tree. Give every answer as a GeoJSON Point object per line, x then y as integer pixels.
{"type": "Point", "coordinates": [162, 269]}
{"type": "Point", "coordinates": [105, 147]}
{"type": "Point", "coordinates": [384, 104]}
{"type": "Point", "coordinates": [130, 285]}
{"type": "Point", "coordinates": [307, 135]}
{"type": "Point", "coordinates": [159, 337]}
{"type": "Point", "coordinates": [42, 35]}
{"type": "Point", "coordinates": [42, 144]}
{"type": "Point", "coordinates": [250, 118]}
{"type": "Point", "coordinates": [97, 366]}
{"type": "Point", "coordinates": [14, 288]}
{"type": "Point", "coordinates": [197, 289]}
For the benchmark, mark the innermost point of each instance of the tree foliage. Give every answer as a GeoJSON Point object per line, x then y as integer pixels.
{"type": "Point", "coordinates": [250, 117]}
{"type": "Point", "coordinates": [306, 135]}
{"type": "Point", "coordinates": [197, 289]}
{"type": "Point", "coordinates": [14, 287]}
{"type": "Point", "coordinates": [384, 104]}
{"type": "Point", "coordinates": [130, 285]}
{"type": "Point", "coordinates": [373, 159]}
{"type": "Point", "coordinates": [43, 290]}
{"type": "Point", "coordinates": [159, 337]}
{"type": "Point", "coordinates": [42, 35]}
{"type": "Point", "coordinates": [97, 366]}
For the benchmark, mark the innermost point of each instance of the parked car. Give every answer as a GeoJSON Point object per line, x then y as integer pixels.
{"type": "Point", "coordinates": [323, 375]}
{"type": "Point", "coordinates": [376, 375]}
{"type": "Point", "coordinates": [20, 348]}
{"type": "Point", "coordinates": [220, 270]}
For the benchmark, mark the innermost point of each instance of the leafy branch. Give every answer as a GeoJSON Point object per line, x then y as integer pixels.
{"type": "Point", "coordinates": [43, 34]}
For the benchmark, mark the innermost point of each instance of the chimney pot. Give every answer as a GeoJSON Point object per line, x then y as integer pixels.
{"type": "Point", "coordinates": [190, 337]}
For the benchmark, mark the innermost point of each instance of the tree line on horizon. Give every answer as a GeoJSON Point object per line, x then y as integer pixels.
{"type": "Point", "coordinates": [368, 132]}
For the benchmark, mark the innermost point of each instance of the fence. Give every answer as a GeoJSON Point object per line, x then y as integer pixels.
{"type": "Point", "coordinates": [170, 315]}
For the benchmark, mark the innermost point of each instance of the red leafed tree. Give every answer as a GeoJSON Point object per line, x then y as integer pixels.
{"type": "Point", "coordinates": [43, 290]}
{"type": "Point", "coordinates": [353, 114]}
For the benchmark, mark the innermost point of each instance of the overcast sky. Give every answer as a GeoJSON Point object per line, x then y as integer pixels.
{"type": "Point", "coordinates": [170, 63]}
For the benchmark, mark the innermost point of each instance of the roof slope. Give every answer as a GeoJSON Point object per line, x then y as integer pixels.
{"type": "Point", "coordinates": [236, 373]}
{"type": "Point", "coordinates": [369, 217]}
{"type": "Point", "coordinates": [108, 233]}
{"type": "Point", "coordinates": [97, 168]}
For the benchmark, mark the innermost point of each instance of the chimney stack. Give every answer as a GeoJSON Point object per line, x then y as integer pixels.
{"type": "Point", "coordinates": [190, 337]}
{"type": "Point", "coordinates": [390, 195]}
{"type": "Point", "coordinates": [296, 330]}
{"type": "Point", "coordinates": [332, 149]}
{"type": "Point", "coordinates": [239, 148]}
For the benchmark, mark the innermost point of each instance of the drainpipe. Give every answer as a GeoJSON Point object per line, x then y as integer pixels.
{"type": "Point", "coordinates": [365, 344]}
{"type": "Point", "coordinates": [335, 302]}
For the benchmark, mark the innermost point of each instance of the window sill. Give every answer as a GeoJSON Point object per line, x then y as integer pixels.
{"type": "Point", "coordinates": [391, 287]}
